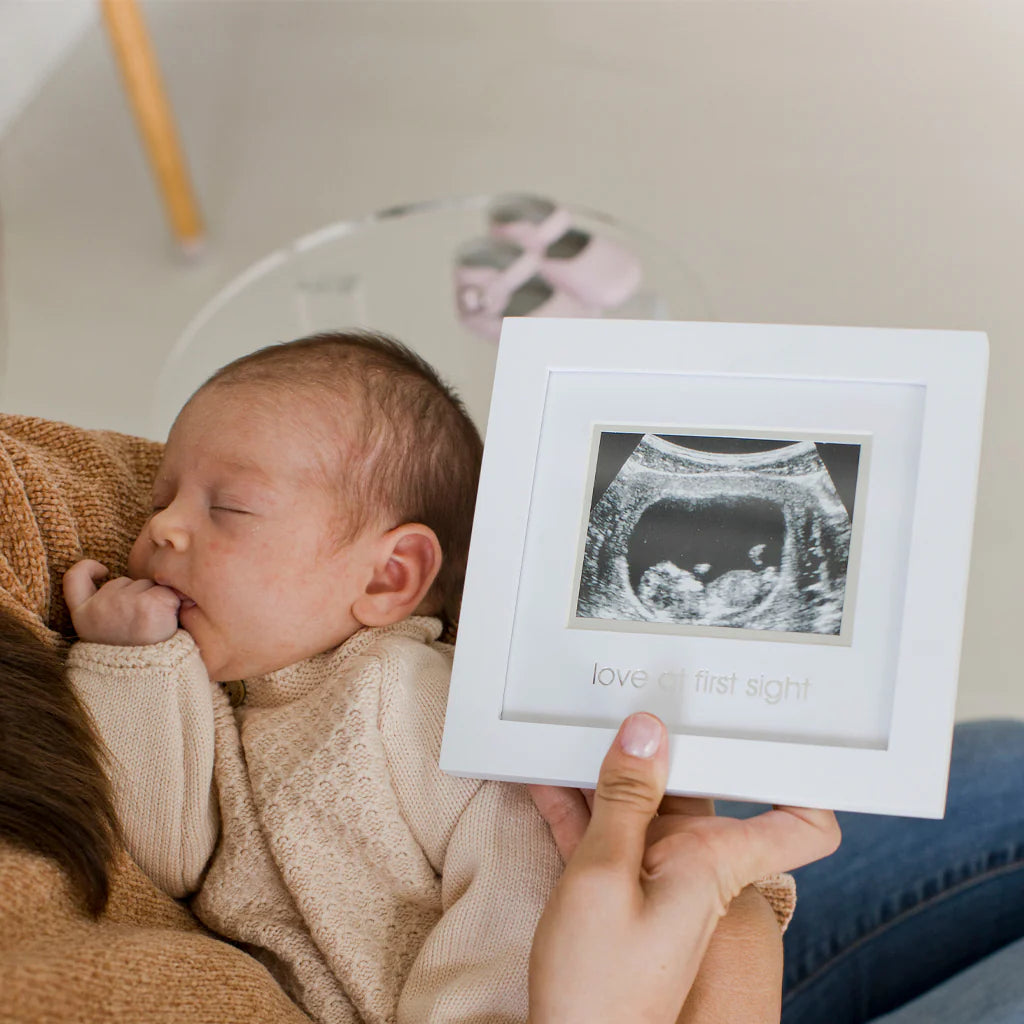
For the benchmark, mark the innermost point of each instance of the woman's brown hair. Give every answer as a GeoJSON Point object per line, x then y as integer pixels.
{"type": "Point", "coordinates": [54, 796]}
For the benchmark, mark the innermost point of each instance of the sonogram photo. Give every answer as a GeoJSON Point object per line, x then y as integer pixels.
{"type": "Point", "coordinates": [704, 531]}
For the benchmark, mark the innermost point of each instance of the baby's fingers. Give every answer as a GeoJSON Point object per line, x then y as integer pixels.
{"type": "Point", "coordinates": [140, 586]}
{"type": "Point", "coordinates": [163, 597]}
{"type": "Point", "coordinates": [150, 591]}
{"type": "Point", "coordinates": [80, 581]}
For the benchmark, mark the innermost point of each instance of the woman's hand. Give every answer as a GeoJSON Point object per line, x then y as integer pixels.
{"type": "Point", "coordinates": [626, 929]}
{"type": "Point", "coordinates": [740, 975]}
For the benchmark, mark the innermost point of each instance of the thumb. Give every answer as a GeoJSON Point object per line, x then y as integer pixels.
{"type": "Point", "coordinates": [80, 581]}
{"type": "Point", "coordinates": [629, 790]}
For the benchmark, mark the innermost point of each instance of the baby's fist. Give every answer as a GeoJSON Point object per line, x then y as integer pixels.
{"type": "Point", "coordinates": [124, 612]}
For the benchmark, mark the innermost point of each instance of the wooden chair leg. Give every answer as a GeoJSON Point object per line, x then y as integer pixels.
{"type": "Point", "coordinates": [141, 75]}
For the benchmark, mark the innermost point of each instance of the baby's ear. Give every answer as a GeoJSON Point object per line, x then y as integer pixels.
{"type": "Point", "coordinates": [408, 564]}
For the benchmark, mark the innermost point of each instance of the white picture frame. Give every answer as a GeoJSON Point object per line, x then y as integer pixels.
{"type": "Point", "coordinates": [628, 465]}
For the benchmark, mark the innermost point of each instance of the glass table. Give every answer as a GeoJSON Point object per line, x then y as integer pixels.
{"type": "Point", "coordinates": [392, 271]}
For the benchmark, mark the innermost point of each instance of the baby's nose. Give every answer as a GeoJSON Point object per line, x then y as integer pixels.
{"type": "Point", "coordinates": [168, 529]}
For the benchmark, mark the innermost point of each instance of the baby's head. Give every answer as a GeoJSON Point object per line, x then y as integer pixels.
{"type": "Point", "coordinates": [307, 490]}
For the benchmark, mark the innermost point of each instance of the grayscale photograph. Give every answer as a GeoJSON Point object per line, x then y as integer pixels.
{"type": "Point", "coordinates": [748, 533]}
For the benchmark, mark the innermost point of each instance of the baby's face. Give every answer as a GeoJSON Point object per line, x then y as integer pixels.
{"type": "Point", "coordinates": [242, 529]}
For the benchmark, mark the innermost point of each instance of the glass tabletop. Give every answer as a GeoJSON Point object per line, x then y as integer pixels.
{"type": "Point", "coordinates": [392, 271]}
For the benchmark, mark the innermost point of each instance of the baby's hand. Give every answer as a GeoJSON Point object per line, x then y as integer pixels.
{"type": "Point", "coordinates": [125, 612]}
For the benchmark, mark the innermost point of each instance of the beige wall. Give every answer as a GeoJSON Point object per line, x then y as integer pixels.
{"type": "Point", "coordinates": [813, 162]}
{"type": "Point", "coordinates": [35, 36]}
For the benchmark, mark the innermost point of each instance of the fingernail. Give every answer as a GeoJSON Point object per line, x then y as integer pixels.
{"type": "Point", "coordinates": [640, 736]}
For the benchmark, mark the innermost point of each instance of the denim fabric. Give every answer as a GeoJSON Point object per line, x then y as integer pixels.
{"type": "Point", "coordinates": [990, 992]}
{"type": "Point", "coordinates": [906, 904]}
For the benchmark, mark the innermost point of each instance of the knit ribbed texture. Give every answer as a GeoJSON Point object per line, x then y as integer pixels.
{"type": "Point", "coordinates": [168, 813]}
{"type": "Point", "coordinates": [375, 887]}
{"type": "Point", "coordinates": [780, 892]}
{"type": "Point", "coordinates": [67, 494]}
{"type": "Point", "coordinates": [145, 961]}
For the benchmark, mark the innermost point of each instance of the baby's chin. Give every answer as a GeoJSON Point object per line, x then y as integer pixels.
{"type": "Point", "coordinates": [222, 664]}
{"type": "Point", "coordinates": [223, 667]}
{"type": "Point", "coordinates": [223, 675]}
{"type": "Point", "coordinates": [217, 668]}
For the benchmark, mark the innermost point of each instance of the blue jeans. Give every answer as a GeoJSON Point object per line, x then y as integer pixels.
{"type": "Point", "coordinates": [990, 992]}
{"type": "Point", "coordinates": [906, 904]}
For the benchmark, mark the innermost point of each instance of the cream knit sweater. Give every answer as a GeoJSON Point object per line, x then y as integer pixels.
{"type": "Point", "coordinates": [375, 887]}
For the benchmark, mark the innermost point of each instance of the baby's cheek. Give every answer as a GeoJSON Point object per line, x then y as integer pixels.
{"type": "Point", "coordinates": [137, 568]}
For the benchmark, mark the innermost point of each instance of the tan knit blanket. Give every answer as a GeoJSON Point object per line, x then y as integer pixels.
{"type": "Point", "coordinates": [68, 494]}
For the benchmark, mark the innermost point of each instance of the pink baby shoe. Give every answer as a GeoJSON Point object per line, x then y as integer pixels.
{"type": "Point", "coordinates": [532, 222]}
{"type": "Point", "coordinates": [595, 270]}
{"type": "Point", "coordinates": [487, 271]}
{"type": "Point", "coordinates": [495, 278]}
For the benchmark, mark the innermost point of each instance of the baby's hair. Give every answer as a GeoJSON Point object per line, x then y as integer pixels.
{"type": "Point", "coordinates": [54, 797]}
{"type": "Point", "coordinates": [417, 456]}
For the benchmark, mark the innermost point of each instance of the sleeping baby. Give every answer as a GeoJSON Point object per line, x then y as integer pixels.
{"type": "Point", "coordinates": [308, 541]}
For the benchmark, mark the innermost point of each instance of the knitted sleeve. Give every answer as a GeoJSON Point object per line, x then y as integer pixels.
{"type": "Point", "coordinates": [497, 862]}
{"type": "Point", "coordinates": [498, 872]}
{"type": "Point", "coordinates": [780, 892]}
{"type": "Point", "coordinates": [153, 709]}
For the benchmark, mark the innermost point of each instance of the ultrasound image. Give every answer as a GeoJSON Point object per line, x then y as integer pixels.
{"type": "Point", "coordinates": [738, 532]}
